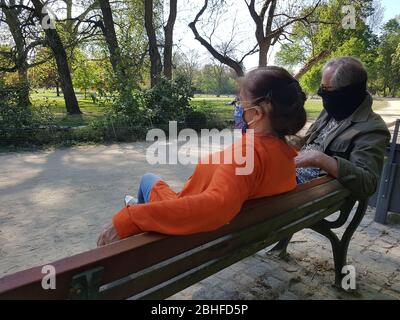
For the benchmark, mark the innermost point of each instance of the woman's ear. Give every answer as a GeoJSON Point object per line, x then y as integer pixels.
{"type": "Point", "coordinates": [268, 107]}
{"type": "Point", "coordinates": [259, 112]}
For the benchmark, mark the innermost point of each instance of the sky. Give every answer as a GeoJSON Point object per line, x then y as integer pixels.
{"type": "Point", "coordinates": [245, 30]}
{"type": "Point", "coordinates": [392, 8]}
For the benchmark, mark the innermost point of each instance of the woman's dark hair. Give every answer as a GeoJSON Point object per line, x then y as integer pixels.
{"type": "Point", "coordinates": [277, 86]}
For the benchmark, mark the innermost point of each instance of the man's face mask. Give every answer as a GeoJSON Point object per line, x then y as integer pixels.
{"type": "Point", "coordinates": [342, 102]}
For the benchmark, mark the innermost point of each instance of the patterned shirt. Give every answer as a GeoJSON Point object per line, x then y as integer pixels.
{"type": "Point", "coordinates": [306, 174]}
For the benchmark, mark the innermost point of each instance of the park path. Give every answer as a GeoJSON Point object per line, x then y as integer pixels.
{"type": "Point", "coordinates": [389, 114]}
{"type": "Point", "coordinates": [55, 202]}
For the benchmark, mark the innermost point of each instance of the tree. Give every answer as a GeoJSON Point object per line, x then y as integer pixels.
{"type": "Point", "coordinates": [187, 64]}
{"type": "Point", "coordinates": [20, 58]}
{"type": "Point", "coordinates": [60, 55]}
{"type": "Point", "coordinates": [272, 21]}
{"type": "Point", "coordinates": [155, 58]}
{"type": "Point", "coordinates": [110, 36]}
{"type": "Point", "coordinates": [87, 73]}
{"type": "Point", "coordinates": [156, 66]}
{"type": "Point", "coordinates": [44, 74]}
{"type": "Point", "coordinates": [311, 46]}
{"type": "Point", "coordinates": [168, 41]}
{"type": "Point", "coordinates": [387, 58]}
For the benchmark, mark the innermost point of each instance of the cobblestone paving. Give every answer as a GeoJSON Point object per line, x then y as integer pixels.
{"type": "Point", "coordinates": [308, 271]}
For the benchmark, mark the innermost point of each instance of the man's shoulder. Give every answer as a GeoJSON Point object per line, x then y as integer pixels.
{"type": "Point", "coordinates": [374, 122]}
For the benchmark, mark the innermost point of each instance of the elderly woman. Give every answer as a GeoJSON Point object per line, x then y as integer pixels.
{"type": "Point", "coordinates": [272, 103]}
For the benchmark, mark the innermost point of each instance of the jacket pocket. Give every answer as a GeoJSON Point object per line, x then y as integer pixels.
{"type": "Point", "coordinates": [341, 145]}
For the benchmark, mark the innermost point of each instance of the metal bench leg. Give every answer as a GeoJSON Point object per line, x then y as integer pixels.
{"type": "Point", "coordinates": [280, 249]}
{"type": "Point", "coordinates": [340, 247]}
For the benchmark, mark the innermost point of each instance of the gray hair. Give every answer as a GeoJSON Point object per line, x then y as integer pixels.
{"type": "Point", "coordinates": [348, 71]}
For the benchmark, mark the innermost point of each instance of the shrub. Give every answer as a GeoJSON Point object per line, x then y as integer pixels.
{"type": "Point", "coordinates": [21, 124]}
{"type": "Point", "coordinates": [169, 100]}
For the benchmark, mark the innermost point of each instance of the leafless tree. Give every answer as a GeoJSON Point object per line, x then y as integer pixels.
{"type": "Point", "coordinates": [272, 19]}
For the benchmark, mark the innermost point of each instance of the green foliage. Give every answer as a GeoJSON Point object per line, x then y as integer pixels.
{"type": "Point", "coordinates": [290, 55]}
{"type": "Point", "coordinates": [196, 120]}
{"type": "Point", "coordinates": [169, 100]}
{"type": "Point", "coordinates": [309, 41]}
{"type": "Point", "coordinates": [20, 124]}
{"type": "Point", "coordinates": [387, 60]}
{"type": "Point", "coordinates": [311, 80]}
{"type": "Point", "coordinates": [214, 115]}
{"type": "Point", "coordinates": [215, 79]}
{"type": "Point", "coordinates": [87, 74]}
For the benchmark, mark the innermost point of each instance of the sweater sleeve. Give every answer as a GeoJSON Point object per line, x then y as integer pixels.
{"type": "Point", "coordinates": [207, 211]}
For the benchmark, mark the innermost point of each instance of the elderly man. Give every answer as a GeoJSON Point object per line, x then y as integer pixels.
{"type": "Point", "coordinates": [348, 140]}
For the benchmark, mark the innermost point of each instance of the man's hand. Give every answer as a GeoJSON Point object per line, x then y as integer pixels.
{"type": "Point", "coordinates": [108, 235]}
{"type": "Point", "coordinates": [313, 158]}
{"type": "Point", "coordinates": [309, 158]}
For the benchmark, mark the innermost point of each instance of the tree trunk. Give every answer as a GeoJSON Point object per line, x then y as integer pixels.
{"type": "Point", "coordinates": [58, 88]}
{"type": "Point", "coordinates": [235, 65]}
{"type": "Point", "coordinates": [262, 58]}
{"type": "Point", "coordinates": [60, 56]}
{"type": "Point", "coordinates": [23, 98]}
{"type": "Point", "coordinates": [111, 38]}
{"type": "Point", "coordinates": [21, 63]}
{"type": "Point", "coordinates": [155, 58]}
{"type": "Point", "coordinates": [310, 63]}
{"type": "Point", "coordinates": [168, 32]}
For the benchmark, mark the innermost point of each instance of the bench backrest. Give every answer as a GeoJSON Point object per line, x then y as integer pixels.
{"type": "Point", "coordinates": [152, 265]}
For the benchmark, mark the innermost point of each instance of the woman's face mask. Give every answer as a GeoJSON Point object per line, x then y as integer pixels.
{"type": "Point", "coordinates": [240, 123]}
{"type": "Point", "coordinates": [342, 102]}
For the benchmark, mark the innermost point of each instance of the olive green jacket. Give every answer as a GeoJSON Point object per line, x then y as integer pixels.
{"type": "Point", "coordinates": [359, 145]}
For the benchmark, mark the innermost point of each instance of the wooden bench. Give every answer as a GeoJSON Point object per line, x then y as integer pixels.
{"type": "Point", "coordinates": [155, 266]}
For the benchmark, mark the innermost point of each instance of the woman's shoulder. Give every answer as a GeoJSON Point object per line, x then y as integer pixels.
{"type": "Point", "coordinates": [274, 146]}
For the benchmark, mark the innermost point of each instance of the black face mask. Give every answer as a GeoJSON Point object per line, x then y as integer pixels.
{"type": "Point", "coordinates": [341, 103]}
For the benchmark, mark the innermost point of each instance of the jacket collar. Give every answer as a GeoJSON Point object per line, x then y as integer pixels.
{"type": "Point", "coordinates": [360, 115]}
{"type": "Point", "coordinates": [363, 111]}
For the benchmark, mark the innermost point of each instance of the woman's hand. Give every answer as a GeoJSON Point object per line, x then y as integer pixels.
{"type": "Point", "coordinates": [108, 235]}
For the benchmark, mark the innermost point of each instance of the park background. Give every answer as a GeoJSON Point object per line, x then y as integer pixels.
{"type": "Point", "coordinates": [109, 71]}
{"type": "Point", "coordinates": [102, 71]}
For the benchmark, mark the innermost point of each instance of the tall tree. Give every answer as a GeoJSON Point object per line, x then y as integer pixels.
{"type": "Point", "coordinates": [273, 20]}
{"type": "Point", "coordinates": [223, 57]}
{"type": "Point", "coordinates": [110, 35]}
{"type": "Point", "coordinates": [168, 38]}
{"type": "Point", "coordinates": [310, 46]}
{"type": "Point", "coordinates": [20, 59]}
{"type": "Point", "coordinates": [272, 25]}
{"type": "Point", "coordinates": [155, 58]}
{"type": "Point", "coordinates": [156, 65]}
{"type": "Point", "coordinates": [387, 59]}
{"type": "Point", "coordinates": [60, 55]}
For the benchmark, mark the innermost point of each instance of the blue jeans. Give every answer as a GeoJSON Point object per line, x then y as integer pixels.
{"type": "Point", "coordinates": [146, 184]}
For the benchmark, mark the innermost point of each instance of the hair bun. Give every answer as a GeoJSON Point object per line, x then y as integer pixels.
{"type": "Point", "coordinates": [288, 94]}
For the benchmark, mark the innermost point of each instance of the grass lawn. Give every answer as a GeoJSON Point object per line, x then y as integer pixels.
{"type": "Point", "coordinates": [93, 111]}
{"type": "Point", "coordinates": [90, 110]}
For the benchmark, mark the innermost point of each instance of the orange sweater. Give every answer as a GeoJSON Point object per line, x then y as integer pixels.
{"type": "Point", "coordinates": [213, 195]}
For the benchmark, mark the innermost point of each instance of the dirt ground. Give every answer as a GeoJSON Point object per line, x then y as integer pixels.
{"type": "Point", "coordinates": [54, 203]}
